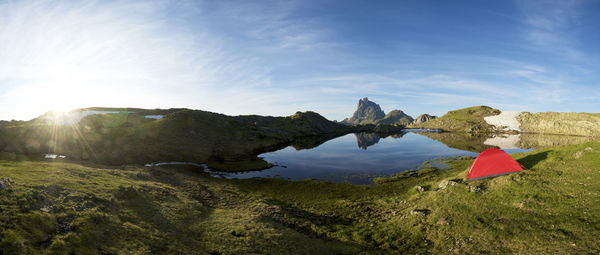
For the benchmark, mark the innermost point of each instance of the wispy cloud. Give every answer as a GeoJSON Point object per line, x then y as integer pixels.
{"type": "Point", "coordinates": [64, 54]}
{"type": "Point", "coordinates": [548, 23]}
{"type": "Point", "coordinates": [272, 25]}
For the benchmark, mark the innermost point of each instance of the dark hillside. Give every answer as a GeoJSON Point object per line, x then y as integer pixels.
{"type": "Point", "coordinates": [181, 135]}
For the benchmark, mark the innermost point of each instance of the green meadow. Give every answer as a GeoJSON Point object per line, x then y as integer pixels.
{"type": "Point", "coordinates": [66, 208]}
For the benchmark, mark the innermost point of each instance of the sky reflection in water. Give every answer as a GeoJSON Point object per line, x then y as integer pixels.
{"type": "Point", "coordinates": [353, 156]}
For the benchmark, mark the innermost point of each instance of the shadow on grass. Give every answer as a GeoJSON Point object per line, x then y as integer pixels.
{"type": "Point", "coordinates": [532, 160]}
{"type": "Point", "coordinates": [305, 222]}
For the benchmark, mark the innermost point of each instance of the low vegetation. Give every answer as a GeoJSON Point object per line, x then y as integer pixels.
{"type": "Point", "coordinates": [181, 135]}
{"type": "Point", "coordinates": [551, 207]}
{"type": "Point", "coordinates": [469, 119]}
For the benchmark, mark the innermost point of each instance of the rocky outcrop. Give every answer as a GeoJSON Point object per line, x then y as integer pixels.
{"type": "Point", "coordinates": [366, 112]}
{"type": "Point", "coordinates": [423, 118]}
{"type": "Point", "coordinates": [446, 183]}
{"type": "Point", "coordinates": [560, 123]}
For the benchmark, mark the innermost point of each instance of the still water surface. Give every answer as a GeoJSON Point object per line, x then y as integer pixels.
{"type": "Point", "coordinates": [357, 158]}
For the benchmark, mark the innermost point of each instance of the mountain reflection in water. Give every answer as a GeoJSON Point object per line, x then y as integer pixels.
{"type": "Point", "coordinates": [357, 158]}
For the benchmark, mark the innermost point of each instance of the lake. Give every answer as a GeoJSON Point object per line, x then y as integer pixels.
{"type": "Point", "coordinates": [357, 158]}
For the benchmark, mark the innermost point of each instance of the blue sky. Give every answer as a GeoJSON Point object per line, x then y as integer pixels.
{"type": "Point", "coordinates": [278, 57]}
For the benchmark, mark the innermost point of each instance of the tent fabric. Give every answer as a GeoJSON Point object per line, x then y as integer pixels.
{"type": "Point", "coordinates": [492, 162]}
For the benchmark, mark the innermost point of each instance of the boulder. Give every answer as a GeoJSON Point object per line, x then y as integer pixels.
{"type": "Point", "coordinates": [446, 183]}
{"type": "Point", "coordinates": [474, 189]}
{"type": "Point", "coordinates": [420, 189]}
{"type": "Point", "coordinates": [420, 212]}
{"type": "Point", "coordinates": [423, 118]}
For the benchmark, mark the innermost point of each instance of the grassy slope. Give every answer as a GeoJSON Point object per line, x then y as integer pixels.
{"type": "Point", "coordinates": [552, 207]}
{"type": "Point", "coordinates": [463, 120]}
{"type": "Point", "coordinates": [182, 135]}
{"type": "Point", "coordinates": [565, 123]}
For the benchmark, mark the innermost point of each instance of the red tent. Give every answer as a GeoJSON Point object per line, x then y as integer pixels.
{"type": "Point", "coordinates": [492, 162]}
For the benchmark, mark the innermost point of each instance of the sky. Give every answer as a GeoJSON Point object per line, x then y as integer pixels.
{"type": "Point", "coordinates": [279, 57]}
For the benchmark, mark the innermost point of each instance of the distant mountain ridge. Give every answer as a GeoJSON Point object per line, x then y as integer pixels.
{"type": "Point", "coordinates": [368, 112]}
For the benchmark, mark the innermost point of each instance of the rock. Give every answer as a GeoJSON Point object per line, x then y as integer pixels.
{"type": "Point", "coordinates": [396, 117]}
{"type": "Point", "coordinates": [446, 183]}
{"type": "Point", "coordinates": [588, 149]}
{"type": "Point", "coordinates": [420, 189]}
{"type": "Point", "coordinates": [420, 212]}
{"type": "Point", "coordinates": [423, 118]}
{"type": "Point", "coordinates": [474, 189]}
{"type": "Point", "coordinates": [46, 209]}
{"type": "Point", "coordinates": [366, 112]}
{"type": "Point", "coordinates": [442, 221]}
{"type": "Point", "coordinates": [5, 182]}
{"type": "Point", "coordinates": [578, 154]}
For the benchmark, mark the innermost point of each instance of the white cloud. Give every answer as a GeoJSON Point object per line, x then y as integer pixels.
{"type": "Point", "coordinates": [64, 54]}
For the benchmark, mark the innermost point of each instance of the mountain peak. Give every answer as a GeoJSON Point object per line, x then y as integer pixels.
{"type": "Point", "coordinates": [366, 112]}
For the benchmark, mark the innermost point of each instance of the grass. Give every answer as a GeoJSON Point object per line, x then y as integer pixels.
{"type": "Point", "coordinates": [181, 135]}
{"type": "Point", "coordinates": [469, 119]}
{"type": "Point", "coordinates": [551, 207]}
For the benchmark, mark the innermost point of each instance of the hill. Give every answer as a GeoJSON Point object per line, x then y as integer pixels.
{"type": "Point", "coordinates": [128, 136]}
{"type": "Point", "coordinates": [469, 119]}
{"type": "Point", "coordinates": [395, 117]}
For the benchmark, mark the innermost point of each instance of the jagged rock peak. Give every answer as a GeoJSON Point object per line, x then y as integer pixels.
{"type": "Point", "coordinates": [366, 112]}
{"type": "Point", "coordinates": [423, 118]}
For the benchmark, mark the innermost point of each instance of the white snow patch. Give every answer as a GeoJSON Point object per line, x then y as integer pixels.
{"type": "Point", "coordinates": [154, 117]}
{"type": "Point", "coordinates": [54, 156]}
{"type": "Point", "coordinates": [506, 121]}
{"type": "Point", "coordinates": [504, 141]}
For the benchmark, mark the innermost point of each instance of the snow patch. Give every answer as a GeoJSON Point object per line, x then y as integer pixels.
{"type": "Point", "coordinates": [505, 121]}
{"type": "Point", "coordinates": [54, 156]}
{"type": "Point", "coordinates": [504, 141]}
